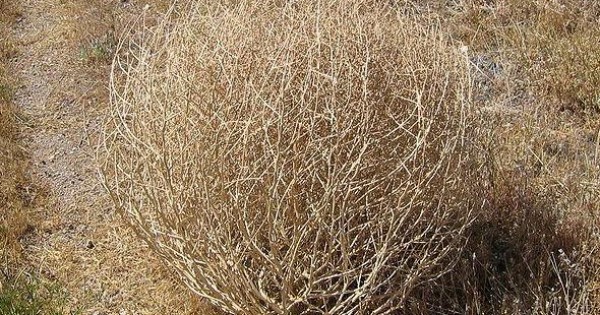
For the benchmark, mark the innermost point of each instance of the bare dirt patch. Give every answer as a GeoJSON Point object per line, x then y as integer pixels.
{"type": "Point", "coordinates": [64, 50]}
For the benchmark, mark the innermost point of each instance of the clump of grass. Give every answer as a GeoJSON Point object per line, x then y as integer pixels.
{"type": "Point", "coordinates": [524, 256]}
{"type": "Point", "coordinates": [7, 51]}
{"type": "Point", "coordinates": [570, 71]}
{"type": "Point", "coordinates": [19, 296]}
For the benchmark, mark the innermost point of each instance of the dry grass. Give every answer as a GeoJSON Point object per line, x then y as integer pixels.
{"type": "Point", "coordinates": [537, 83]}
{"type": "Point", "coordinates": [20, 291]}
{"type": "Point", "coordinates": [14, 221]}
{"type": "Point", "coordinates": [551, 45]}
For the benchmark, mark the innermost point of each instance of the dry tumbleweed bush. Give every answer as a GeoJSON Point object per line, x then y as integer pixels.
{"type": "Point", "coordinates": [296, 158]}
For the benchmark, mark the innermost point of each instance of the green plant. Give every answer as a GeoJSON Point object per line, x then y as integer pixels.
{"type": "Point", "coordinates": [100, 49]}
{"type": "Point", "coordinates": [24, 296]}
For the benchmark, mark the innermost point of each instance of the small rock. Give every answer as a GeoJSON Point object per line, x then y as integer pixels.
{"type": "Point", "coordinates": [89, 244]}
{"type": "Point", "coordinates": [81, 228]}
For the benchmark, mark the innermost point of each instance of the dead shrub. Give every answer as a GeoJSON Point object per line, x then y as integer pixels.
{"type": "Point", "coordinates": [293, 158]}
{"type": "Point", "coordinates": [306, 158]}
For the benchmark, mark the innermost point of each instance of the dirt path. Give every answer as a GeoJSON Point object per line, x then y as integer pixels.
{"type": "Point", "coordinates": [79, 241]}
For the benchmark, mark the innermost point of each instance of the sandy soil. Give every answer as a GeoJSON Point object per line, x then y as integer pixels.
{"type": "Point", "coordinates": [80, 241]}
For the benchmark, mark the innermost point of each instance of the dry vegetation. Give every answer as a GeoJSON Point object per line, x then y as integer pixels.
{"type": "Point", "coordinates": [361, 157]}
{"type": "Point", "coordinates": [20, 292]}
{"type": "Point", "coordinates": [13, 221]}
{"type": "Point", "coordinates": [303, 157]}
{"type": "Point", "coordinates": [300, 169]}
{"type": "Point", "coordinates": [11, 156]}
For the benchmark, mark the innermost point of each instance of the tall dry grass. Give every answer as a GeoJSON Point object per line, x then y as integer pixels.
{"type": "Point", "coordinates": [325, 158]}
